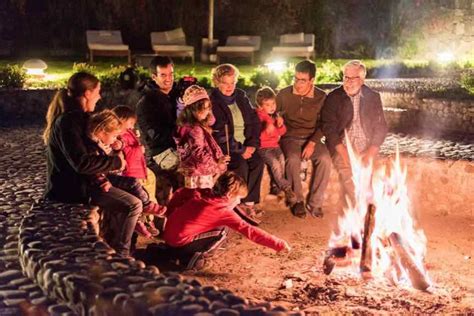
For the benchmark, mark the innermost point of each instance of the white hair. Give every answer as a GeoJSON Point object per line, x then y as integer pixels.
{"type": "Point", "coordinates": [356, 63]}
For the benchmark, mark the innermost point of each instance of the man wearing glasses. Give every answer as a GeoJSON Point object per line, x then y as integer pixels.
{"type": "Point", "coordinates": [300, 105]}
{"type": "Point", "coordinates": [357, 109]}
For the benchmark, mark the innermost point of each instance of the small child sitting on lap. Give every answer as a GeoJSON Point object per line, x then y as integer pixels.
{"type": "Point", "coordinates": [271, 130]}
{"type": "Point", "coordinates": [104, 128]}
{"type": "Point", "coordinates": [198, 221]}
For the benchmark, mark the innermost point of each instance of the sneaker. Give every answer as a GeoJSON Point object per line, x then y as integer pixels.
{"type": "Point", "coordinates": [141, 229]}
{"type": "Point", "coordinates": [247, 213]}
{"type": "Point", "coordinates": [274, 190]}
{"type": "Point", "coordinates": [154, 209]}
{"type": "Point", "coordinates": [316, 212]}
{"type": "Point", "coordinates": [290, 197]}
{"type": "Point", "coordinates": [298, 210]}
{"type": "Point", "coordinates": [152, 228]}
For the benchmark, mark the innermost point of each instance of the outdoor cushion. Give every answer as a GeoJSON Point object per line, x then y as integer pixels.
{"type": "Point", "coordinates": [248, 49]}
{"type": "Point", "coordinates": [288, 49]}
{"type": "Point", "coordinates": [172, 48]}
{"type": "Point", "coordinates": [292, 39]}
{"type": "Point", "coordinates": [172, 37]}
{"type": "Point", "coordinates": [105, 38]}
{"type": "Point", "coordinates": [108, 47]}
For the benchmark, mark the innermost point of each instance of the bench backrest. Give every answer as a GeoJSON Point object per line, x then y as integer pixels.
{"type": "Point", "coordinates": [112, 37]}
{"type": "Point", "coordinates": [172, 37]}
{"type": "Point", "coordinates": [244, 40]}
{"type": "Point", "coordinates": [297, 39]}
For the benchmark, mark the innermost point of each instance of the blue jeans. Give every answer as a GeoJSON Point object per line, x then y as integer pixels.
{"type": "Point", "coordinates": [125, 209]}
{"type": "Point", "coordinates": [275, 161]}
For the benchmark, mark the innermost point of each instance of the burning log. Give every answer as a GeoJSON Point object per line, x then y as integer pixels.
{"type": "Point", "coordinates": [417, 278]}
{"type": "Point", "coordinates": [366, 256]}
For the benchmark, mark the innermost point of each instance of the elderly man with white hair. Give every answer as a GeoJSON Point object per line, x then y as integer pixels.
{"type": "Point", "coordinates": [357, 109]}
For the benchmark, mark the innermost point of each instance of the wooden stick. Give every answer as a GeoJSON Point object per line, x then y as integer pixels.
{"type": "Point", "coordinates": [417, 278]}
{"type": "Point", "coordinates": [227, 139]}
{"type": "Point", "coordinates": [366, 256]}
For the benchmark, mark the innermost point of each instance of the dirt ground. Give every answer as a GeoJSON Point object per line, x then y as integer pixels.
{"type": "Point", "coordinates": [258, 274]}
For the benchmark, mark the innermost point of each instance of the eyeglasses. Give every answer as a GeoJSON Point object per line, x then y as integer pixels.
{"type": "Point", "coordinates": [347, 78]}
{"type": "Point", "coordinates": [301, 80]}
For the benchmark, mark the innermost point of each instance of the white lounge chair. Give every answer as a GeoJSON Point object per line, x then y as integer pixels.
{"type": "Point", "coordinates": [240, 46]}
{"type": "Point", "coordinates": [171, 43]}
{"type": "Point", "coordinates": [295, 45]}
{"type": "Point", "coordinates": [106, 43]}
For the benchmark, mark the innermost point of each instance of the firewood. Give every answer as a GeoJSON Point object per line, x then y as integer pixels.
{"type": "Point", "coordinates": [367, 251]}
{"type": "Point", "coordinates": [417, 278]}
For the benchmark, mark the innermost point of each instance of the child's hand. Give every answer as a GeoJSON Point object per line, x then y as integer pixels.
{"type": "Point", "coordinates": [117, 145]}
{"type": "Point", "coordinates": [270, 128]}
{"type": "Point", "coordinates": [123, 162]}
{"type": "Point", "coordinates": [248, 152]}
{"type": "Point", "coordinates": [279, 121]}
{"type": "Point", "coordinates": [105, 187]}
{"type": "Point", "coordinates": [286, 247]}
{"type": "Point", "coordinates": [224, 159]}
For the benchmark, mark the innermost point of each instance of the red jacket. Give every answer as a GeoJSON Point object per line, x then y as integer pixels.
{"type": "Point", "coordinates": [195, 211]}
{"type": "Point", "coordinates": [269, 139]}
{"type": "Point", "coordinates": [198, 152]}
{"type": "Point", "coordinates": [133, 152]}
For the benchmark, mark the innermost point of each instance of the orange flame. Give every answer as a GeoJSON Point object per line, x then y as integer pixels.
{"type": "Point", "coordinates": [386, 189]}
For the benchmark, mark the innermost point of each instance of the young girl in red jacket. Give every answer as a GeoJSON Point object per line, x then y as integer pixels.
{"type": "Point", "coordinates": [272, 128]}
{"type": "Point", "coordinates": [197, 222]}
{"type": "Point", "coordinates": [201, 159]}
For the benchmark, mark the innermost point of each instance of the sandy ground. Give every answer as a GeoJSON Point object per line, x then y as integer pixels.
{"type": "Point", "coordinates": [257, 273]}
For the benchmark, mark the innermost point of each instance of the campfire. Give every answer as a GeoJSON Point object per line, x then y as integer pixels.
{"type": "Point", "coordinates": [377, 236]}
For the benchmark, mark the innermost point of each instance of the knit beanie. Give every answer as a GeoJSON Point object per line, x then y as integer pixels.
{"type": "Point", "coordinates": [193, 94]}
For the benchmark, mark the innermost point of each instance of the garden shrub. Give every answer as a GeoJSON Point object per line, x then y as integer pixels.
{"type": "Point", "coordinates": [287, 76]}
{"type": "Point", "coordinates": [264, 77]}
{"type": "Point", "coordinates": [142, 73]}
{"type": "Point", "coordinates": [84, 67]}
{"type": "Point", "coordinates": [111, 77]}
{"type": "Point", "coordinates": [467, 81]}
{"type": "Point", "coordinates": [205, 82]}
{"type": "Point", "coordinates": [328, 72]}
{"type": "Point", "coordinates": [12, 76]}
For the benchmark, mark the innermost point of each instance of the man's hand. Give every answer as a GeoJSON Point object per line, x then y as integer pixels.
{"type": "Point", "coordinates": [279, 121]}
{"type": "Point", "coordinates": [308, 150]}
{"type": "Point", "coordinates": [105, 187]}
{"type": "Point", "coordinates": [248, 152]}
{"type": "Point", "coordinates": [342, 151]}
{"type": "Point", "coordinates": [369, 155]}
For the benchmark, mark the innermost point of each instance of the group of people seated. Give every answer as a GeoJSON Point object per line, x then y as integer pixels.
{"type": "Point", "coordinates": [203, 155]}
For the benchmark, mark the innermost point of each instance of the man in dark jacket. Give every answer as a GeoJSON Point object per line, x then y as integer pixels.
{"type": "Point", "coordinates": [156, 112]}
{"type": "Point", "coordinates": [357, 109]}
{"type": "Point", "coordinates": [300, 105]}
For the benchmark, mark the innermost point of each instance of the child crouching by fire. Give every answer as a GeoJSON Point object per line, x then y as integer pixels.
{"type": "Point", "coordinates": [198, 222]}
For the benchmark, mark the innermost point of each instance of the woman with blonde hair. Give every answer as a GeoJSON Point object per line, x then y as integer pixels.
{"type": "Point", "coordinates": [237, 129]}
{"type": "Point", "coordinates": [71, 161]}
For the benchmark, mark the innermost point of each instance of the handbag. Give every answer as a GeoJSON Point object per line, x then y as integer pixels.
{"type": "Point", "coordinates": [167, 160]}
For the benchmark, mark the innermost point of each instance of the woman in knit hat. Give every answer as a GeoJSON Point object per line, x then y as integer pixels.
{"type": "Point", "coordinates": [201, 159]}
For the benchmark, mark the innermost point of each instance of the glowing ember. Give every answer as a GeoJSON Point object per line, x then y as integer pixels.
{"type": "Point", "coordinates": [393, 248]}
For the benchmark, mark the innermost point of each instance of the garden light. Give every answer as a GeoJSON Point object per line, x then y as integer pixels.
{"type": "Point", "coordinates": [277, 66]}
{"type": "Point", "coordinates": [445, 57]}
{"type": "Point", "coordinates": [35, 67]}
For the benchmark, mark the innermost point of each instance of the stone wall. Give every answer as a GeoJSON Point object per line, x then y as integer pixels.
{"type": "Point", "coordinates": [409, 110]}
{"type": "Point", "coordinates": [440, 187]}
{"type": "Point", "coordinates": [403, 109]}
